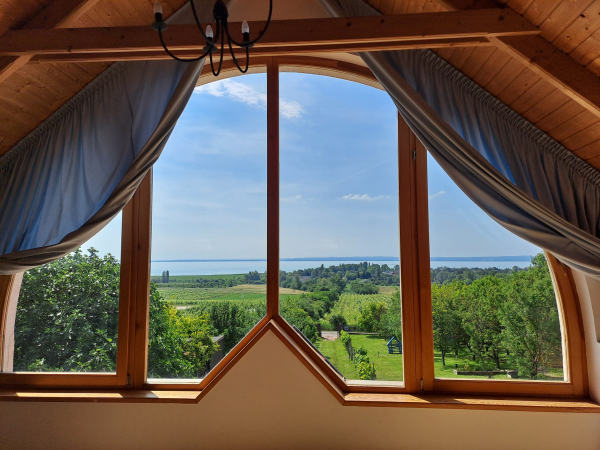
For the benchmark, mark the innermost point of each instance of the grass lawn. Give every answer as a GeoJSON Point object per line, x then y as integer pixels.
{"type": "Point", "coordinates": [389, 367]}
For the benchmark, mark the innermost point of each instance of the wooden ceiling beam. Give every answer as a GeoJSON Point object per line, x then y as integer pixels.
{"type": "Point", "coordinates": [548, 61]}
{"type": "Point", "coordinates": [59, 14]}
{"type": "Point", "coordinates": [346, 34]}
{"type": "Point", "coordinates": [264, 51]}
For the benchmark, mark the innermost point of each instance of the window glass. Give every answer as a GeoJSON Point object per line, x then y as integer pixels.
{"type": "Point", "coordinates": [208, 285]}
{"type": "Point", "coordinates": [67, 311]}
{"type": "Point", "coordinates": [495, 311]}
{"type": "Point", "coordinates": [339, 268]}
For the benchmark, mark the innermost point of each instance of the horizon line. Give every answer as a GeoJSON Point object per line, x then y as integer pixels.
{"type": "Point", "coordinates": [362, 259]}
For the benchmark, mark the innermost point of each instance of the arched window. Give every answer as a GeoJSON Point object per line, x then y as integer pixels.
{"type": "Point", "coordinates": [236, 191]}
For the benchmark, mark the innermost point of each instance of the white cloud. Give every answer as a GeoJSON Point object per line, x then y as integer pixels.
{"type": "Point", "coordinates": [364, 197]}
{"type": "Point", "coordinates": [432, 196]}
{"type": "Point", "coordinates": [295, 198]}
{"type": "Point", "coordinates": [243, 93]}
{"type": "Point", "coordinates": [290, 109]}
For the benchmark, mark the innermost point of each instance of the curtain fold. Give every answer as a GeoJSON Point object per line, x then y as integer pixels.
{"type": "Point", "coordinates": [72, 175]}
{"type": "Point", "coordinates": [519, 176]}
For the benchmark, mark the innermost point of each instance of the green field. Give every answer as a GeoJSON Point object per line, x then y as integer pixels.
{"type": "Point", "coordinates": [389, 367]}
{"type": "Point", "coordinates": [193, 278]}
{"type": "Point", "coordinates": [191, 296]}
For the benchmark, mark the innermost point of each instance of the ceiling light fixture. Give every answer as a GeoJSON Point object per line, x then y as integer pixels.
{"type": "Point", "coordinates": [220, 14]}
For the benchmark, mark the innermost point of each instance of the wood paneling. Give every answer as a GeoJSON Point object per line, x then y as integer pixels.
{"type": "Point", "coordinates": [573, 27]}
{"type": "Point", "coordinates": [34, 91]}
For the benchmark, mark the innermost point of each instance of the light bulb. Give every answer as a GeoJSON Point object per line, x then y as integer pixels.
{"type": "Point", "coordinates": [245, 27]}
{"type": "Point", "coordinates": [157, 7]}
{"type": "Point", "coordinates": [209, 32]}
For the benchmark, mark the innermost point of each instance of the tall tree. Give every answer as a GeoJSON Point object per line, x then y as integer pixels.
{"type": "Point", "coordinates": [530, 319]}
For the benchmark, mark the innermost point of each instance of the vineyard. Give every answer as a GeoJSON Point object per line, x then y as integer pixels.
{"type": "Point", "coordinates": [192, 296]}
{"type": "Point", "coordinates": [350, 306]}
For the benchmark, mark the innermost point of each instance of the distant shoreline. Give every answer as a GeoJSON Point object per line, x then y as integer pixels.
{"type": "Point", "coordinates": [363, 258]}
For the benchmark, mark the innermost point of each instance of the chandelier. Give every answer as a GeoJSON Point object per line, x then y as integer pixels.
{"type": "Point", "coordinates": [220, 13]}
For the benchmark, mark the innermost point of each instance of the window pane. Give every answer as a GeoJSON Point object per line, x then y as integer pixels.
{"type": "Point", "coordinates": [68, 310]}
{"type": "Point", "coordinates": [209, 229]}
{"type": "Point", "coordinates": [494, 307]}
{"type": "Point", "coordinates": [339, 223]}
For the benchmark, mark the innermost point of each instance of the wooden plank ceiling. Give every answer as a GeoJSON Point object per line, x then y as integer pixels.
{"type": "Point", "coordinates": [35, 90]}
{"type": "Point", "coordinates": [573, 26]}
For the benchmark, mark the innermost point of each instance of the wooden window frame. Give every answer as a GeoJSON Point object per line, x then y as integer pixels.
{"type": "Point", "coordinates": [417, 323]}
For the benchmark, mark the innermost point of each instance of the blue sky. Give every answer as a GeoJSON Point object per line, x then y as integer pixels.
{"type": "Point", "coordinates": [338, 179]}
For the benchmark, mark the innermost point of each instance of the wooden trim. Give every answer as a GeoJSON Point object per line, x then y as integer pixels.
{"type": "Point", "coordinates": [140, 283]}
{"type": "Point", "coordinates": [125, 396]}
{"type": "Point", "coordinates": [344, 34]}
{"type": "Point", "coordinates": [473, 403]}
{"type": "Point", "coordinates": [349, 399]}
{"type": "Point", "coordinates": [424, 265]}
{"type": "Point", "coordinates": [575, 360]}
{"type": "Point", "coordinates": [272, 188]}
{"type": "Point", "coordinates": [10, 286]}
{"type": "Point", "coordinates": [408, 277]}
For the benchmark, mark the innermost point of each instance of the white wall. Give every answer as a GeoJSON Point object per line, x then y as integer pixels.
{"type": "Point", "coordinates": [270, 400]}
{"type": "Point", "coordinates": [588, 290]}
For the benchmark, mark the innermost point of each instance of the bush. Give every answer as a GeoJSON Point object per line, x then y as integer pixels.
{"type": "Point", "coordinates": [300, 318]}
{"type": "Point", "coordinates": [345, 338]}
{"type": "Point", "coordinates": [366, 371]}
{"type": "Point", "coordinates": [337, 320]}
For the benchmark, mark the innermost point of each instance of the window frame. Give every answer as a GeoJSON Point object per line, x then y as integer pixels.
{"type": "Point", "coordinates": [417, 322]}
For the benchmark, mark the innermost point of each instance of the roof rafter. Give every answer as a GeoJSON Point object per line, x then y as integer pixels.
{"type": "Point", "coordinates": [59, 14]}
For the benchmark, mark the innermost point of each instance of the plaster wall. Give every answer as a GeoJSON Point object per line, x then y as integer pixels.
{"type": "Point", "coordinates": [588, 290]}
{"type": "Point", "coordinates": [270, 400]}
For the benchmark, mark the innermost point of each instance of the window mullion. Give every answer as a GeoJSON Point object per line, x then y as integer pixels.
{"type": "Point", "coordinates": [272, 188]}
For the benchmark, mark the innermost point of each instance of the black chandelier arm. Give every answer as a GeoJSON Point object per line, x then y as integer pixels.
{"type": "Point", "coordinates": [235, 59]}
{"type": "Point", "coordinates": [262, 33]}
{"type": "Point", "coordinates": [209, 41]}
{"type": "Point", "coordinates": [212, 68]}
{"type": "Point", "coordinates": [178, 58]}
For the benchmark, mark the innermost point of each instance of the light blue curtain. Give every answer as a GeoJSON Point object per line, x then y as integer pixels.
{"type": "Point", "coordinates": [518, 175]}
{"type": "Point", "coordinates": [72, 175]}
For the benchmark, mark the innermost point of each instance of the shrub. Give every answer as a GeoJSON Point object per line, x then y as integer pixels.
{"type": "Point", "coordinates": [366, 371]}
{"type": "Point", "coordinates": [337, 320]}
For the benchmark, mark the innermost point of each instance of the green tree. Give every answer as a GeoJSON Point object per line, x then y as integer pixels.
{"type": "Point", "coordinates": [301, 320]}
{"type": "Point", "coordinates": [391, 322]}
{"type": "Point", "coordinates": [371, 316]}
{"type": "Point", "coordinates": [178, 346]}
{"type": "Point", "coordinates": [530, 319]}
{"type": "Point", "coordinates": [448, 332]}
{"type": "Point", "coordinates": [363, 288]}
{"type": "Point", "coordinates": [67, 315]}
{"type": "Point", "coordinates": [480, 305]}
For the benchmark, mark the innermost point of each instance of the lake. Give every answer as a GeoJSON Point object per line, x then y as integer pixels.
{"type": "Point", "coordinates": [245, 266]}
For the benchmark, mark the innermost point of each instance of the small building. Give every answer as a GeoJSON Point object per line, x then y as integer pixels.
{"type": "Point", "coordinates": [394, 346]}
